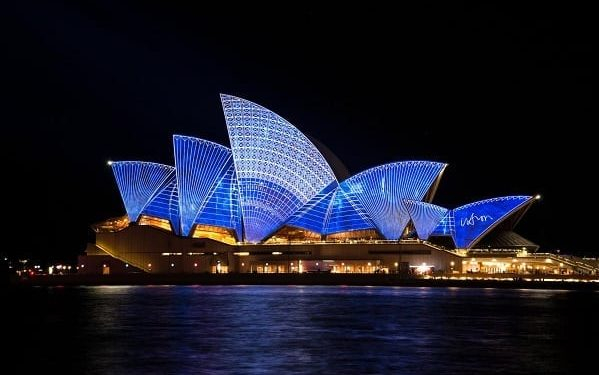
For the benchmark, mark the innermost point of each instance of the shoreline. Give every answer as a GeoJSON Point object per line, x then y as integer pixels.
{"type": "Point", "coordinates": [301, 279]}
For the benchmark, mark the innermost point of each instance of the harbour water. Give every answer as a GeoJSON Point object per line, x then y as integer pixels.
{"type": "Point", "coordinates": [301, 330]}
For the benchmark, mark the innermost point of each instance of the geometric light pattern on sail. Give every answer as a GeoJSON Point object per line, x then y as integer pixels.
{"type": "Point", "coordinates": [346, 213]}
{"type": "Point", "coordinates": [278, 168]}
{"type": "Point", "coordinates": [200, 166]}
{"type": "Point", "coordinates": [381, 191]}
{"type": "Point", "coordinates": [138, 182]}
{"type": "Point", "coordinates": [312, 216]}
{"type": "Point", "coordinates": [425, 216]}
{"type": "Point", "coordinates": [446, 227]}
{"type": "Point", "coordinates": [165, 204]}
{"type": "Point", "coordinates": [222, 206]}
{"type": "Point", "coordinates": [474, 220]}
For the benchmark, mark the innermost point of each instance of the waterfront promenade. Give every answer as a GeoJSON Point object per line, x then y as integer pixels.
{"type": "Point", "coordinates": [462, 281]}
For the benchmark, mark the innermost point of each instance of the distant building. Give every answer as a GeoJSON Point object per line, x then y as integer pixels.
{"type": "Point", "coordinates": [278, 201]}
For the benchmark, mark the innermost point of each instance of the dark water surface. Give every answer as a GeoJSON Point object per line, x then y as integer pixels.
{"type": "Point", "coordinates": [301, 329]}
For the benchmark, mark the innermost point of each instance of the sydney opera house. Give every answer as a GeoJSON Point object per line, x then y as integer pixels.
{"type": "Point", "coordinates": [276, 200]}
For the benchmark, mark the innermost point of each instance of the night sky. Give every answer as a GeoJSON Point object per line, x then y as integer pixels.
{"type": "Point", "coordinates": [502, 94]}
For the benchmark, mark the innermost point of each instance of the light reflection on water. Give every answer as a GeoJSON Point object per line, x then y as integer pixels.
{"type": "Point", "coordinates": [306, 329]}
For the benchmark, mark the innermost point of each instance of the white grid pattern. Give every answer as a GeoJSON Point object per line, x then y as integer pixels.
{"type": "Point", "coordinates": [381, 191]}
{"type": "Point", "coordinates": [200, 164]}
{"type": "Point", "coordinates": [426, 216]}
{"type": "Point", "coordinates": [138, 182]}
{"type": "Point", "coordinates": [278, 168]}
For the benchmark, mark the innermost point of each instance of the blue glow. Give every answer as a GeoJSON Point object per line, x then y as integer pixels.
{"type": "Point", "coordinates": [425, 216]}
{"type": "Point", "coordinates": [313, 215]}
{"type": "Point", "coordinates": [138, 182]}
{"type": "Point", "coordinates": [474, 220]}
{"type": "Point", "coordinates": [165, 204]}
{"type": "Point", "coordinates": [381, 191]}
{"type": "Point", "coordinates": [346, 214]}
{"type": "Point", "coordinates": [446, 227]}
{"type": "Point", "coordinates": [278, 168]}
{"type": "Point", "coordinates": [200, 166]}
{"type": "Point", "coordinates": [222, 207]}
{"type": "Point", "coordinates": [273, 175]}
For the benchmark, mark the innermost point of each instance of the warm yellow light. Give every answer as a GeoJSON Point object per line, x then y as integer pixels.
{"type": "Point", "coordinates": [276, 253]}
{"type": "Point", "coordinates": [538, 196]}
{"type": "Point", "coordinates": [242, 253]}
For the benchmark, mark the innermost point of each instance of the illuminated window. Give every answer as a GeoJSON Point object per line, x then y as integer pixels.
{"type": "Point", "coordinates": [155, 222]}
{"type": "Point", "coordinates": [216, 233]}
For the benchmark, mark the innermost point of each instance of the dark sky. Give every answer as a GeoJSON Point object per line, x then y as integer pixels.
{"type": "Point", "coordinates": [502, 94]}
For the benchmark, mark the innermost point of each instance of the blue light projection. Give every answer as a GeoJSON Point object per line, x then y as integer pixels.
{"type": "Point", "coordinates": [165, 204]}
{"type": "Point", "coordinates": [313, 215]}
{"type": "Point", "coordinates": [425, 216]}
{"type": "Point", "coordinates": [138, 182]}
{"type": "Point", "coordinates": [278, 168]}
{"type": "Point", "coordinates": [222, 207]}
{"type": "Point", "coordinates": [446, 227]}
{"type": "Point", "coordinates": [200, 166]}
{"type": "Point", "coordinates": [346, 214]}
{"type": "Point", "coordinates": [381, 191]}
{"type": "Point", "coordinates": [474, 220]}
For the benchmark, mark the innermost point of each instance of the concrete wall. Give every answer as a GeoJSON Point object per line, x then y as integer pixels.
{"type": "Point", "coordinates": [158, 251]}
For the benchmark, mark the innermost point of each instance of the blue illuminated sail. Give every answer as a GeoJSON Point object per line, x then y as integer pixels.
{"type": "Point", "coordinates": [138, 182]}
{"type": "Point", "coordinates": [313, 215]}
{"type": "Point", "coordinates": [200, 166]}
{"type": "Point", "coordinates": [346, 213]}
{"type": "Point", "coordinates": [474, 220]}
{"type": "Point", "coordinates": [165, 205]}
{"type": "Point", "coordinates": [381, 191]}
{"type": "Point", "coordinates": [425, 216]}
{"type": "Point", "coordinates": [278, 168]}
